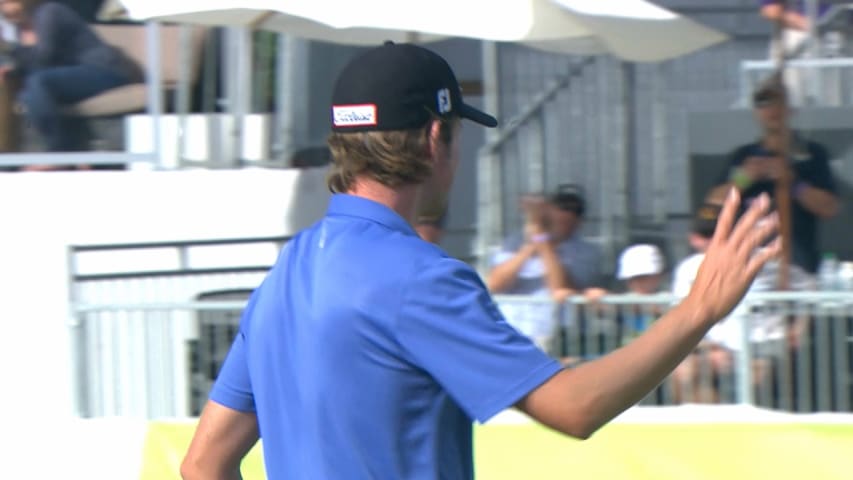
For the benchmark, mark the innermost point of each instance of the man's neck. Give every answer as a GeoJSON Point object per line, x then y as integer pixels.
{"type": "Point", "coordinates": [776, 141]}
{"type": "Point", "coordinates": [402, 200]}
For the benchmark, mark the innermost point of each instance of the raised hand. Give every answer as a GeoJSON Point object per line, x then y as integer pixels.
{"type": "Point", "coordinates": [734, 257]}
{"type": "Point", "coordinates": [535, 221]}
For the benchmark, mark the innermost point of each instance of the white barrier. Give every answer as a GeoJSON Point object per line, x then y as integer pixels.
{"type": "Point", "coordinates": [124, 348]}
{"type": "Point", "coordinates": [44, 212]}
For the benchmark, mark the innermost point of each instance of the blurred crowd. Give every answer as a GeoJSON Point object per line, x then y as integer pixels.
{"type": "Point", "coordinates": [550, 258]}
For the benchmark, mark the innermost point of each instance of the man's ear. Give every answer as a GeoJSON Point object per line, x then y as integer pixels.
{"type": "Point", "coordinates": [435, 144]}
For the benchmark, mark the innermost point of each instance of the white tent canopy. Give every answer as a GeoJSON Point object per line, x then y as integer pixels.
{"type": "Point", "coordinates": [633, 30]}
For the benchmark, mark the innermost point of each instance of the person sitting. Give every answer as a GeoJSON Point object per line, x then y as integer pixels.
{"type": "Point", "coordinates": [641, 268]}
{"type": "Point", "coordinates": [701, 376]}
{"type": "Point", "coordinates": [548, 259]}
{"type": "Point", "coordinates": [61, 61]}
{"type": "Point", "coordinates": [550, 255]}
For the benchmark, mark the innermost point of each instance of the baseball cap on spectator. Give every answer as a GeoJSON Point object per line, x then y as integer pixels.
{"type": "Point", "coordinates": [638, 260]}
{"type": "Point", "coordinates": [705, 220]}
{"type": "Point", "coordinates": [569, 198]}
{"type": "Point", "coordinates": [398, 87]}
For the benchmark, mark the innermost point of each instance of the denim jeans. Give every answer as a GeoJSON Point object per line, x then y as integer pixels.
{"type": "Point", "coordinates": [47, 91]}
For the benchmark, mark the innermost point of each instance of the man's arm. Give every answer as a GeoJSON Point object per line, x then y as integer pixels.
{"type": "Point", "coordinates": [816, 191]}
{"type": "Point", "coordinates": [790, 18]}
{"type": "Point", "coordinates": [504, 275]}
{"type": "Point", "coordinates": [223, 437]}
{"type": "Point", "coordinates": [579, 401]}
{"type": "Point", "coordinates": [816, 200]}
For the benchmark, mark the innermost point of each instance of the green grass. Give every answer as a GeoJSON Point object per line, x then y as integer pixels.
{"type": "Point", "coordinates": [618, 451]}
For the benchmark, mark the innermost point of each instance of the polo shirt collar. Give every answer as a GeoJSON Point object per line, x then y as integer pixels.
{"type": "Point", "coordinates": [355, 206]}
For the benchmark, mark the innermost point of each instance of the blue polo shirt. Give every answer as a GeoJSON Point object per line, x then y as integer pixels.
{"type": "Point", "coordinates": [366, 353]}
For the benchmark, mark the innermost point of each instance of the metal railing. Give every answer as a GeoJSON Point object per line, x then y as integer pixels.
{"type": "Point", "coordinates": [819, 61]}
{"type": "Point", "coordinates": [786, 350]}
{"type": "Point", "coordinates": [824, 81]}
{"type": "Point", "coordinates": [789, 351]}
{"type": "Point", "coordinates": [142, 313]}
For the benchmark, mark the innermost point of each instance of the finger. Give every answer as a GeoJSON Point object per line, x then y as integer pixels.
{"type": "Point", "coordinates": [726, 217]}
{"type": "Point", "coordinates": [766, 228]}
{"type": "Point", "coordinates": [757, 262]}
{"type": "Point", "coordinates": [747, 222]}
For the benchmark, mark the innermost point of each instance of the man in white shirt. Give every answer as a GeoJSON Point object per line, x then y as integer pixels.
{"type": "Point", "coordinates": [698, 377]}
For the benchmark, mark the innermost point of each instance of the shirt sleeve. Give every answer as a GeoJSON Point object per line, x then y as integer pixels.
{"type": "Point", "coordinates": [501, 257]}
{"type": "Point", "coordinates": [505, 251]}
{"type": "Point", "coordinates": [820, 175]}
{"type": "Point", "coordinates": [450, 327]}
{"type": "Point", "coordinates": [233, 386]}
{"type": "Point", "coordinates": [683, 278]}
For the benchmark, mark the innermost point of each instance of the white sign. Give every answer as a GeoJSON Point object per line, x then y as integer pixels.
{"type": "Point", "coordinates": [354, 115]}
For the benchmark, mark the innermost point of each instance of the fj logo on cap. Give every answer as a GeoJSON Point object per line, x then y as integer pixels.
{"type": "Point", "coordinates": [354, 115]}
{"type": "Point", "coordinates": [444, 105]}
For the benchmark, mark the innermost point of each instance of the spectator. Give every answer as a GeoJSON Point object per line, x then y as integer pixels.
{"type": "Point", "coordinates": [793, 17]}
{"type": "Point", "coordinates": [777, 332]}
{"type": "Point", "coordinates": [548, 259]}
{"type": "Point", "coordinates": [550, 256]}
{"type": "Point", "coordinates": [62, 61]}
{"type": "Point", "coordinates": [87, 9]}
{"type": "Point", "coordinates": [700, 376]}
{"type": "Point", "coordinates": [756, 167]}
{"type": "Point", "coordinates": [641, 267]}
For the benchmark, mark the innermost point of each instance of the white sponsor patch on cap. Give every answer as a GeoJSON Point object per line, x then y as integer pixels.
{"type": "Point", "coordinates": [354, 115]}
{"type": "Point", "coordinates": [443, 98]}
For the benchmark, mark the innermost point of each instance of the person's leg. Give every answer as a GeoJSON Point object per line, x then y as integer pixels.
{"type": "Point", "coordinates": [47, 91]}
{"type": "Point", "coordinates": [722, 365]}
{"type": "Point", "coordinates": [41, 108]}
{"type": "Point", "coordinates": [682, 382]}
{"type": "Point", "coordinates": [79, 82]}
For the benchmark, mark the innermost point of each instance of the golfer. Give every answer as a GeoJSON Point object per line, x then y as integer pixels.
{"type": "Point", "coordinates": [367, 352]}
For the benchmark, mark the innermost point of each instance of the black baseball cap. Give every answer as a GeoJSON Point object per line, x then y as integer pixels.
{"type": "Point", "coordinates": [398, 87]}
{"type": "Point", "coordinates": [569, 198]}
{"type": "Point", "coordinates": [705, 220]}
{"type": "Point", "coordinates": [771, 92]}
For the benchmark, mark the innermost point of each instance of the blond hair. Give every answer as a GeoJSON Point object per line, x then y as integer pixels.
{"type": "Point", "coordinates": [392, 158]}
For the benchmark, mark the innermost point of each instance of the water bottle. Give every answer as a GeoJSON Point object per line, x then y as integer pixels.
{"type": "Point", "coordinates": [827, 272]}
{"type": "Point", "coordinates": [845, 276]}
